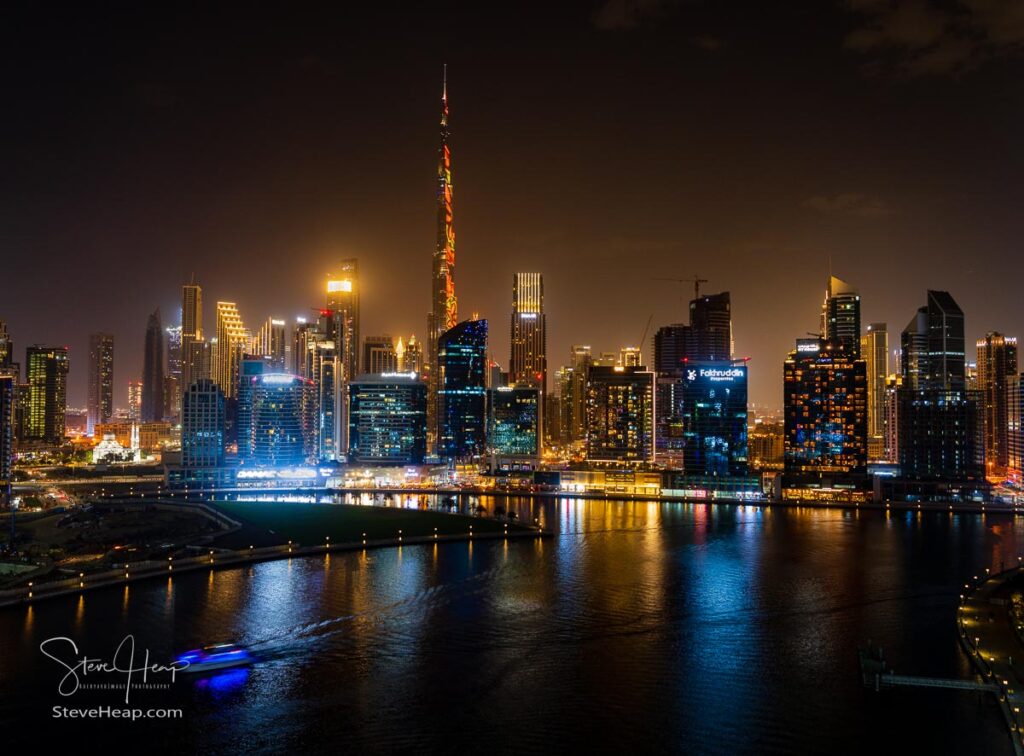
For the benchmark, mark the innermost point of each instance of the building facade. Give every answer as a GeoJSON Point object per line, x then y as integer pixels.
{"type": "Point", "coordinates": [100, 397]}
{"type": "Point", "coordinates": [874, 348]}
{"type": "Point", "coordinates": [387, 420]}
{"type": "Point", "coordinates": [515, 422]}
{"type": "Point", "coordinates": [461, 381]}
{"type": "Point", "coordinates": [714, 418]}
{"type": "Point", "coordinates": [283, 426]}
{"type": "Point", "coordinates": [997, 363]}
{"type": "Point", "coordinates": [202, 425]}
{"type": "Point", "coordinates": [620, 414]}
{"type": "Point", "coordinates": [152, 406]}
{"type": "Point", "coordinates": [47, 375]}
{"type": "Point", "coordinates": [528, 364]}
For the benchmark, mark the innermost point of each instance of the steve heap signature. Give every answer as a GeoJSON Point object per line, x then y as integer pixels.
{"type": "Point", "coordinates": [79, 666]}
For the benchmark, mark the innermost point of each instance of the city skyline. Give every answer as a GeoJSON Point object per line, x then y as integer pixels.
{"type": "Point", "coordinates": [767, 223]}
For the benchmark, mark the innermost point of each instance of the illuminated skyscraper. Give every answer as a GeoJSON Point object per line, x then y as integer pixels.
{"type": "Point", "coordinates": [173, 379]}
{"type": "Point", "coordinates": [825, 403]}
{"type": "Point", "coordinates": [1015, 427]}
{"type": "Point", "coordinates": [528, 365]}
{"type": "Point", "coordinates": [710, 333]}
{"type": "Point", "coordinates": [620, 414]}
{"type": "Point", "coordinates": [8, 387]}
{"type": "Point", "coordinates": [202, 425]}
{"type": "Point", "coordinates": [946, 355]}
{"type": "Point", "coordinates": [997, 362]}
{"type": "Point", "coordinates": [874, 348]}
{"type": "Point", "coordinates": [283, 425]}
{"type": "Point", "coordinates": [191, 329]}
{"type": "Point", "coordinates": [461, 386]}
{"type": "Point", "coordinates": [269, 342]}
{"type": "Point", "coordinates": [444, 305]}
{"type": "Point", "coordinates": [134, 400]}
{"type": "Point", "coordinates": [232, 342]}
{"type": "Point", "coordinates": [412, 361]}
{"type": "Point", "coordinates": [6, 350]}
{"type": "Point", "coordinates": [387, 420]}
{"type": "Point", "coordinates": [574, 393]}
{"type": "Point", "coordinates": [47, 374]}
{"type": "Point", "coordinates": [100, 399]}
{"type": "Point", "coordinates": [514, 423]}
{"type": "Point", "coordinates": [153, 371]}
{"type": "Point", "coordinates": [840, 316]}
{"type": "Point", "coordinates": [714, 418]}
{"type": "Point", "coordinates": [343, 327]}
{"type": "Point", "coordinates": [914, 351]}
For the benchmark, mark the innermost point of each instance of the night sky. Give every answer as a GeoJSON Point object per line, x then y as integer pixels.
{"type": "Point", "coordinates": [602, 145]}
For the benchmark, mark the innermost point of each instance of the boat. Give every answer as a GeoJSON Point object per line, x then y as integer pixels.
{"type": "Point", "coordinates": [216, 656]}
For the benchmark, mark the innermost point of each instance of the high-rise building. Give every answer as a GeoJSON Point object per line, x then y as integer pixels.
{"type": "Point", "coordinates": [412, 360]}
{"type": "Point", "coordinates": [269, 342]}
{"type": "Point", "coordinates": [714, 418]}
{"type": "Point", "coordinates": [135, 400]}
{"type": "Point", "coordinates": [191, 330]}
{"type": "Point", "coordinates": [6, 351]}
{"type": "Point", "coordinates": [343, 326]}
{"type": "Point", "coordinates": [1015, 427]}
{"type": "Point", "coordinates": [874, 348]}
{"type": "Point", "coordinates": [946, 356]}
{"type": "Point", "coordinates": [202, 425]}
{"type": "Point", "coordinates": [173, 378]}
{"type": "Point", "coordinates": [514, 422]}
{"type": "Point", "coordinates": [232, 341]}
{"type": "Point", "coordinates": [620, 414]}
{"type": "Point", "coordinates": [379, 355]}
{"type": "Point", "coordinates": [47, 373]}
{"type": "Point", "coordinates": [387, 420]}
{"type": "Point", "coordinates": [574, 393]}
{"type": "Point", "coordinates": [153, 371]}
{"type": "Point", "coordinates": [710, 333]}
{"type": "Point", "coordinates": [630, 357]}
{"type": "Point", "coordinates": [528, 364]}
{"type": "Point", "coordinates": [248, 370]}
{"type": "Point", "coordinates": [100, 399]}
{"type": "Point", "coordinates": [331, 396]}
{"type": "Point", "coordinates": [302, 335]}
{"type": "Point", "coordinates": [937, 416]}
{"type": "Point", "coordinates": [825, 405]}
{"type": "Point", "coordinates": [8, 387]}
{"type": "Point", "coordinates": [891, 417]}
{"type": "Point", "coordinates": [840, 316]}
{"type": "Point", "coordinates": [282, 429]}
{"type": "Point", "coordinates": [443, 314]}
{"type": "Point", "coordinates": [997, 362]}
{"type": "Point", "coordinates": [461, 385]}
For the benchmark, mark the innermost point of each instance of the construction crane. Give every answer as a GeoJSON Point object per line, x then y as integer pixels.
{"type": "Point", "coordinates": [696, 281]}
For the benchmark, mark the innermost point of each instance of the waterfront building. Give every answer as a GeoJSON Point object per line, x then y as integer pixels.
{"type": "Point", "coordinates": [840, 316]}
{"type": "Point", "coordinates": [250, 367]}
{"type": "Point", "coordinates": [997, 362]}
{"type": "Point", "coordinates": [874, 348]}
{"type": "Point", "coordinates": [713, 406]}
{"type": "Point", "coordinates": [825, 405]}
{"type": "Point", "coordinates": [282, 429]}
{"type": "Point", "coordinates": [574, 393]}
{"type": "Point", "coordinates": [232, 341]}
{"type": "Point", "coordinates": [946, 356]}
{"type": "Point", "coordinates": [192, 331]}
{"type": "Point", "coordinates": [379, 355]}
{"type": "Point", "coordinates": [47, 374]}
{"type": "Point", "coordinates": [528, 365]}
{"type": "Point", "coordinates": [1015, 427]}
{"type": "Point", "coordinates": [514, 424]}
{"type": "Point", "coordinates": [620, 414]}
{"type": "Point", "coordinates": [766, 446]}
{"type": "Point", "coordinates": [891, 418]}
{"type": "Point", "coordinates": [152, 407]}
{"type": "Point", "coordinates": [202, 425]}
{"type": "Point", "coordinates": [387, 420]}
{"type": "Point", "coordinates": [100, 396]}
{"type": "Point", "coordinates": [331, 398]}
{"type": "Point", "coordinates": [461, 381]}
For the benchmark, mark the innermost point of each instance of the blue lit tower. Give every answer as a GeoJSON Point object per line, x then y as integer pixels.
{"type": "Point", "coordinates": [461, 390]}
{"type": "Point", "coordinates": [283, 425]}
{"type": "Point", "coordinates": [387, 419]}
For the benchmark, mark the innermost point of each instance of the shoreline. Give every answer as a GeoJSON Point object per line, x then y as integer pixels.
{"type": "Point", "coordinates": [152, 569]}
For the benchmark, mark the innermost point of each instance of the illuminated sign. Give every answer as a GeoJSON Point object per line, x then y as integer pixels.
{"type": "Point", "coordinates": [808, 348]}
{"type": "Point", "coordinates": [715, 374]}
{"type": "Point", "coordinates": [277, 378]}
{"type": "Point", "coordinates": [335, 286]}
{"type": "Point", "coordinates": [398, 375]}
{"type": "Point", "coordinates": [528, 315]}
{"type": "Point", "coordinates": [274, 321]}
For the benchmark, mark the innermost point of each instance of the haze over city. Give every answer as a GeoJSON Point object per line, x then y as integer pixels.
{"type": "Point", "coordinates": [605, 146]}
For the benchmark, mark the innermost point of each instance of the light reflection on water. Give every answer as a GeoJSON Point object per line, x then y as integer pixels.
{"type": "Point", "coordinates": [685, 627]}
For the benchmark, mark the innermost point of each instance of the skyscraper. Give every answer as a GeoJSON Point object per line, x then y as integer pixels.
{"type": "Point", "coordinates": [343, 326]}
{"type": "Point", "coordinates": [191, 329]}
{"type": "Point", "coordinates": [47, 373]}
{"type": "Point", "coordinates": [874, 348]}
{"type": "Point", "coordinates": [153, 371]}
{"type": "Point", "coordinates": [528, 364]}
{"type": "Point", "coordinates": [444, 305]}
{"type": "Point", "coordinates": [946, 355]}
{"type": "Point", "coordinates": [710, 332]}
{"type": "Point", "coordinates": [620, 414]}
{"type": "Point", "coordinates": [172, 381]}
{"type": "Point", "coordinates": [8, 386]}
{"type": "Point", "coordinates": [6, 350]}
{"type": "Point", "coordinates": [840, 316]}
{"type": "Point", "coordinates": [387, 420]}
{"type": "Point", "coordinates": [283, 424]}
{"type": "Point", "coordinates": [514, 423]}
{"type": "Point", "coordinates": [412, 360]}
{"type": "Point", "coordinates": [100, 399]}
{"type": "Point", "coordinates": [825, 405]}
{"type": "Point", "coordinates": [232, 341]}
{"type": "Point", "coordinates": [134, 400]}
{"type": "Point", "coordinates": [997, 362]}
{"type": "Point", "coordinates": [269, 342]}
{"type": "Point", "coordinates": [461, 386]}
{"type": "Point", "coordinates": [379, 355]}
{"type": "Point", "coordinates": [202, 425]}
{"type": "Point", "coordinates": [914, 358]}
{"type": "Point", "coordinates": [714, 418]}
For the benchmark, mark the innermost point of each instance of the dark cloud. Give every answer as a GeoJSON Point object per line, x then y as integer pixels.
{"type": "Point", "coordinates": [849, 203]}
{"type": "Point", "coordinates": [922, 37]}
{"type": "Point", "coordinates": [628, 14]}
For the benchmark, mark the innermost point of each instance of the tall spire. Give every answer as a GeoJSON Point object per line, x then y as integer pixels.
{"type": "Point", "coordinates": [444, 305]}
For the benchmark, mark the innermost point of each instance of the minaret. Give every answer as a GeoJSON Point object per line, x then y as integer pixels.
{"type": "Point", "coordinates": [443, 312]}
